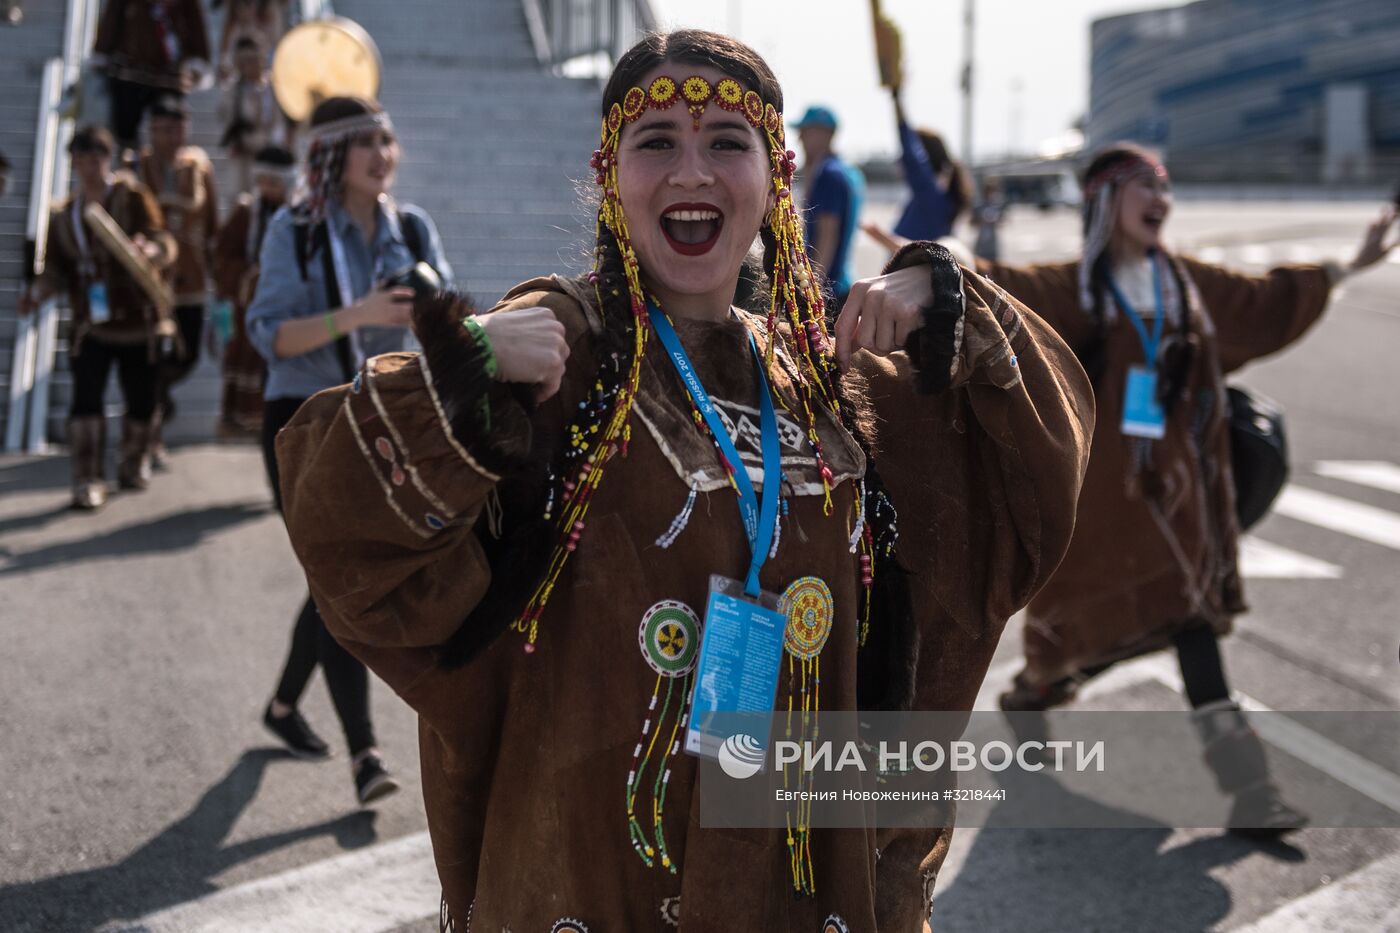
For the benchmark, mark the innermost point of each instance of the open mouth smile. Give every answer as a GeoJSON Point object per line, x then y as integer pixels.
{"type": "Point", "coordinates": [692, 229]}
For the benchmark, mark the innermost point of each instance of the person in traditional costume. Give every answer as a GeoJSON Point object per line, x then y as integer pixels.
{"type": "Point", "coordinates": [517, 527]}
{"type": "Point", "coordinates": [236, 251]}
{"type": "Point", "coordinates": [261, 22]}
{"type": "Point", "coordinates": [115, 320]}
{"type": "Point", "coordinates": [148, 49]}
{"type": "Point", "coordinates": [249, 111]}
{"type": "Point", "coordinates": [182, 178]}
{"type": "Point", "coordinates": [324, 304]}
{"type": "Point", "coordinates": [1155, 558]}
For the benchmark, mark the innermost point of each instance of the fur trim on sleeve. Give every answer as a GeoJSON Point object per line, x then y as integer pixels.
{"type": "Point", "coordinates": [934, 347]}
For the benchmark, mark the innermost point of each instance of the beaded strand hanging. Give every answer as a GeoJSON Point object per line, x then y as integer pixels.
{"type": "Point", "coordinates": [602, 430]}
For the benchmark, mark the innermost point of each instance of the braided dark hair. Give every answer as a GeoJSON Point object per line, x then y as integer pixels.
{"type": "Point", "coordinates": [325, 160]}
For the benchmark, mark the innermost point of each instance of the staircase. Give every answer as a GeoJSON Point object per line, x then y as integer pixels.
{"type": "Point", "coordinates": [23, 51]}
{"type": "Point", "coordinates": [493, 144]}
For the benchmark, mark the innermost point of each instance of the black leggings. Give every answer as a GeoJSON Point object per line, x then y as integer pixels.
{"type": "Point", "coordinates": [312, 644]}
{"type": "Point", "coordinates": [92, 365]}
{"type": "Point", "coordinates": [190, 320]}
{"type": "Point", "coordinates": [129, 102]}
{"type": "Point", "coordinates": [1202, 668]}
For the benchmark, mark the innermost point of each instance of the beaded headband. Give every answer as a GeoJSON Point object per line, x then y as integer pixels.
{"type": "Point", "coordinates": [1122, 171]}
{"type": "Point", "coordinates": [1099, 190]}
{"type": "Point", "coordinates": [325, 159]}
{"type": "Point", "coordinates": [287, 174]}
{"type": "Point", "coordinates": [793, 287]}
{"type": "Point", "coordinates": [345, 127]}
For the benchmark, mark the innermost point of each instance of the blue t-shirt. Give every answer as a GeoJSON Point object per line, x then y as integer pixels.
{"type": "Point", "coordinates": [836, 188]}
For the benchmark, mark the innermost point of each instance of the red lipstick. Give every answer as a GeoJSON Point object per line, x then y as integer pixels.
{"type": "Point", "coordinates": [710, 215]}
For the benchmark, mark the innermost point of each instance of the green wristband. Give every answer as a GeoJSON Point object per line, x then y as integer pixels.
{"type": "Point", "coordinates": [329, 318]}
{"type": "Point", "coordinates": [483, 340]}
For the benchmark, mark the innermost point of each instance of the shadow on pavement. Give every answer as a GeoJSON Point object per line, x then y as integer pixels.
{"type": "Point", "coordinates": [178, 532]}
{"type": "Point", "coordinates": [1087, 879]}
{"type": "Point", "coordinates": [34, 474]}
{"type": "Point", "coordinates": [175, 866]}
{"type": "Point", "coordinates": [32, 520]}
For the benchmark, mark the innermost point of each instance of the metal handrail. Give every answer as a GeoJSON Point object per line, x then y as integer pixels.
{"type": "Point", "coordinates": [308, 10]}
{"type": "Point", "coordinates": [569, 30]}
{"type": "Point", "coordinates": [36, 336]}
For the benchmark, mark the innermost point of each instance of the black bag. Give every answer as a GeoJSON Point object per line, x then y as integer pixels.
{"type": "Point", "coordinates": [1258, 453]}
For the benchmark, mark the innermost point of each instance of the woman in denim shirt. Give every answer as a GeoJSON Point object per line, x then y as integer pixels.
{"type": "Point", "coordinates": [320, 310]}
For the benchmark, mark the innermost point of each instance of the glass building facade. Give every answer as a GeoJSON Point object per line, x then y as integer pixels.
{"type": "Point", "coordinates": [1254, 90]}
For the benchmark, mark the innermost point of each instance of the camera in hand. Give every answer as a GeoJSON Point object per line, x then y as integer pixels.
{"type": "Point", "coordinates": [420, 277]}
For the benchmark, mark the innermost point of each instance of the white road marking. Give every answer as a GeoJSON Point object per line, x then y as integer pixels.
{"type": "Point", "coordinates": [1362, 900]}
{"type": "Point", "coordinates": [1374, 473]}
{"type": "Point", "coordinates": [1261, 560]}
{"type": "Point", "coordinates": [1302, 252]}
{"type": "Point", "coordinates": [1314, 749]}
{"type": "Point", "coordinates": [1256, 254]}
{"type": "Point", "coordinates": [1334, 513]}
{"type": "Point", "coordinates": [371, 890]}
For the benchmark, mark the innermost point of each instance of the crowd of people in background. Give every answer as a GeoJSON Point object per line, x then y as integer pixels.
{"type": "Point", "coordinates": [148, 56]}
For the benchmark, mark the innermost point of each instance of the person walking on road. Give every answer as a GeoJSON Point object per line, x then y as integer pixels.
{"type": "Point", "coordinates": [114, 318]}
{"type": "Point", "coordinates": [986, 218]}
{"type": "Point", "coordinates": [1154, 560]}
{"type": "Point", "coordinates": [323, 306]}
{"type": "Point", "coordinates": [517, 527]}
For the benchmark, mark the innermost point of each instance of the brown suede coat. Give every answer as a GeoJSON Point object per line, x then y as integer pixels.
{"type": "Point", "coordinates": [127, 34]}
{"type": "Point", "coordinates": [1156, 543]}
{"type": "Point", "coordinates": [235, 273]}
{"type": "Point", "coordinates": [134, 317]}
{"type": "Point", "coordinates": [525, 757]}
{"type": "Point", "coordinates": [185, 190]}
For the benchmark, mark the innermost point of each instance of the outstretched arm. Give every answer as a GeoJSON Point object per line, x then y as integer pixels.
{"type": "Point", "coordinates": [1256, 315]}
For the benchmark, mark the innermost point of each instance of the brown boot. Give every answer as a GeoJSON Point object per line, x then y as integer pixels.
{"type": "Point", "coordinates": [160, 457]}
{"type": "Point", "coordinates": [1235, 754]}
{"type": "Point", "coordinates": [86, 445]}
{"type": "Point", "coordinates": [134, 470]}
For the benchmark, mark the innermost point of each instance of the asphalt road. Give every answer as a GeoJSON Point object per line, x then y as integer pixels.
{"type": "Point", "coordinates": [140, 645]}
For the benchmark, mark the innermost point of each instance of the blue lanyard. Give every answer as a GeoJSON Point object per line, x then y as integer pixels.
{"type": "Point", "coordinates": [1149, 346]}
{"type": "Point", "coordinates": [758, 520]}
